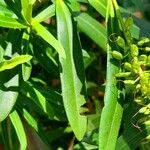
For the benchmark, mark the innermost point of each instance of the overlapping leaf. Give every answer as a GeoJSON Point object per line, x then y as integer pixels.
{"type": "Point", "coordinates": [9, 22]}
{"type": "Point", "coordinates": [72, 70]}
{"type": "Point", "coordinates": [112, 112]}
{"type": "Point", "coordinates": [48, 37]}
{"type": "Point", "coordinates": [13, 62]}
{"type": "Point", "coordinates": [17, 123]}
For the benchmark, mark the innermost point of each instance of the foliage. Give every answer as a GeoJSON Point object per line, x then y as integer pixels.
{"type": "Point", "coordinates": [75, 72]}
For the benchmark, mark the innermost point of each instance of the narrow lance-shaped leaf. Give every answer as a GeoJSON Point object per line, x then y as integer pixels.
{"type": "Point", "coordinates": [38, 99]}
{"type": "Point", "coordinates": [34, 124]}
{"type": "Point", "coordinates": [26, 67]}
{"type": "Point", "coordinates": [8, 98]}
{"type": "Point", "coordinates": [9, 64]}
{"type": "Point", "coordinates": [112, 111]}
{"type": "Point", "coordinates": [27, 9]}
{"type": "Point", "coordinates": [31, 121]}
{"type": "Point", "coordinates": [16, 121]}
{"type": "Point", "coordinates": [4, 10]}
{"type": "Point", "coordinates": [48, 37]}
{"type": "Point", "coordinates": [72, 71]}
{"type": "Point", "coordinates": [45, 14]}
{"type": "Point", "coordinates": [93, 29]}
{"type": "Point", "coordinates": [100, 6]}
{"type": "Point", "coordinates": [9, 22]}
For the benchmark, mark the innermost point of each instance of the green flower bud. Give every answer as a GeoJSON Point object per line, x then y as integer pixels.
{"type": "Point", "coordinates": [134, 50]}
{"type": "Point", "coordinates": [127, 66]}
{"type": "Point", "coordinates": [143, 41]}
{"type": "Point", "coordinates": [147, 49]}
{"type": "Point", "coordinates": [142, 59]}
{"type": "Point", "coordinates": [117, 55]}
{"type": "Point", "coordinates": [143, 109]}
{"type": "Point", "coordinates": [123, 74]}
{"type": "Point", "coordinates": [120, 41]}
{"type": "Point", "coordinates": [128, 23]}
{"type": "Point", "coordinates": [135, 65]}
{"type": "Point", "coordinates": [129, 82]}
{"type": "Point", "coordinates": [148, 59]}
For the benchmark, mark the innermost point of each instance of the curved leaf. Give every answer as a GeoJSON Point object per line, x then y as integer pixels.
{"type": "Point", "coordinates": [4, 10]}
{"type": "Point", "coordinates": [9, 22]}
{"type": "Point", "coordinates": [45, 14]}
{"type": "Point", "coordinates": [48, 101]}
{"type": "Point", "coordinates": [27, 9]}
{"type": "Point", "coordinates": [100, 6]}
{"type": "Point", "coordinates": [112, 112]}
{"type": "Point", "coordinates": [93, 29]}
{"type": "Point", "coordinates": [8, 97]}
{"type": "Point", "coordinates": [72, 70]}
{"type": "Point", "coordinates": [26, 67]}
{"type": "Point", "coordinates": [16, 121]}
{"type": "Point", "coordinates": [13, 62]}
{"type": "Point", "coordinates": [48, 37]}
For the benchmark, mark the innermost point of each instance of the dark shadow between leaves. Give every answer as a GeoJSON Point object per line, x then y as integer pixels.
{"type": "Point", "coordinates": [133, 133]}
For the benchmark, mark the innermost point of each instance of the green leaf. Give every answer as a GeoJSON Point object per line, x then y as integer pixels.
{"type": "Point", "coordinates": [13, 62]}
{"type": "Point", "coordinates": [27, 10]}
{"type": "Point", "coordinates": [83, 1]}
{"type": "Point", "coordinates": [72, 70]}
{"type": "Point", "coordinates": [113, 99]}
{"type": "Point", "coordinates": [73, 5]}
{"type": "Point", "coordinates": [26, 70]}
{"type": "Point", "coordinates": [34, 140]}
{"type": "Point", "coordinates": [9, 22]}
{"type": "Point", "coordinates": [100, 6]}
{"type": "Point", "coordinates": [34, 124]}
{"type": "Point", "coordinates": [31, 121]}
{"type": "Point", "coordinates": [132, 136]}
{"type": "Point", "coordinates": [89, 58]}
{"type": "Point", "coordinates": [16, 121]}
{"type": "Point", "coordinates": [139, 4]}
{"type": "Point", "coordinates": [38, 99]}
{"type": "Point", "coordinates": [26, 49]}
{"type": "Point", "coordinates": [7, 97]}
{"type": "Point", "coordinates": [45, 14]}
{"type": "Point", "coordinates": [49, 38]}
{"type": "Point", "coordinates": [91, 27]}
{"type": "Point", "coordinates": [46, 59]}
{"type": "Point", "coordinates": [4, 10]}
{"type": "Point", "coordinates": [85, 146]}
{"type": "Point", "coordinates": [48, 101]}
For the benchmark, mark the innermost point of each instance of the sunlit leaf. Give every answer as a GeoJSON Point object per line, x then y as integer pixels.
{"type": "Point", "coordinates": [8, 97]}
{"type": "Point", "coordinates": [17, 123]}
{"type": "Point", "coordinates": [48, 37]}
{"type": "Point", "coordinates": [9, 22]}
{"type": "Point", "coordinates": [100, 6]}
{"type": "Point", "coordinates": [13, 62]}
{"type": "Point", "coordinates": [91, 27]}
{"type": "Point", "coordinates": [72, 70]}
{"type": "Point", "coordinates": [27, 9]}
{"type": "Point", "coordinates": [45, 14]}
{"type": "Point", "coordinates": [112, 112]}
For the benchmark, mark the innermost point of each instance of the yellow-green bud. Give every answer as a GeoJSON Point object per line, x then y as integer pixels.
{"type": "Point", "coordinates": [134, 50]}
{"type": "Point", "coordinates": [117, 55]}
{"type": "Point", "coordinates": [127, 66]}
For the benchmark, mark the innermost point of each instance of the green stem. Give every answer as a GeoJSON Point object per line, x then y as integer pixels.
{"type": "Point", "coordinates": [112, 112]}
{"type": "Point", "coordinates": [120, 18]}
